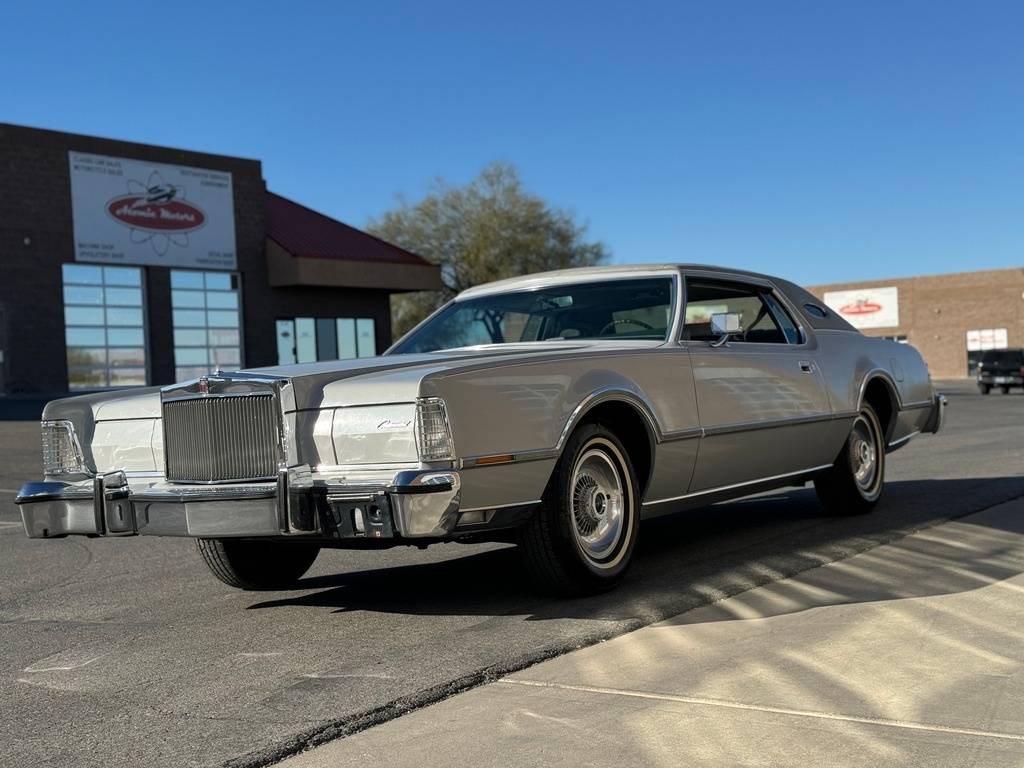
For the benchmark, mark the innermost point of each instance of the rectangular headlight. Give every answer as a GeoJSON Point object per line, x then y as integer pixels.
{"type": "Point", "coordinates": [433, 433]}
{"type": "Point", "coordinates": [62, 454]}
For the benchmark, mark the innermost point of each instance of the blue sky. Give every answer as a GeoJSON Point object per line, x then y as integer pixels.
{"type": "Point", "coordinates": [822, 141]}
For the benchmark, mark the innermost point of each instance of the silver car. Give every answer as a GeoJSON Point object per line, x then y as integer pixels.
{"type": "Point", "coordinates": [555, 410]}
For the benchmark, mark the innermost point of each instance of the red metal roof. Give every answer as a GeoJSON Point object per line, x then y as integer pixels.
{"type": "Point", "coordinates": [307, 234]}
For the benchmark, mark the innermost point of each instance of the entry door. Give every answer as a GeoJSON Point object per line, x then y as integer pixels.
{"type": "Point", "coordinates": [761, 396]}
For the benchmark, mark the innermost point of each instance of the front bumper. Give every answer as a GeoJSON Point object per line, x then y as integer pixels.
{"type": "Point", "coordinates": [937, 414]}
{"type": "Point", "coordinates": [416, 504]}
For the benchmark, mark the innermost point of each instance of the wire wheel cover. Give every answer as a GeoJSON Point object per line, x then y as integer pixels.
{"type": "Point", "coordinates": [597, 503]}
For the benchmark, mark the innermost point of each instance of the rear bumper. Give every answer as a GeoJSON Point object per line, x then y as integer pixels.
{"type": "Point", "coordinates": [416, 504]}
{"type": "Point", "coordinates": [937, 414]}
{"type": "Point", "coordinates": [1001, 380]}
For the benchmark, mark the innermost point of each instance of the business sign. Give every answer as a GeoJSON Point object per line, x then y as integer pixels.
{"type": "Point", "coordinates": [986, 338]}
{"type": "Point", "coordinates": [867, 307]}
{"type": "Point", "coordinates": [135, 212]}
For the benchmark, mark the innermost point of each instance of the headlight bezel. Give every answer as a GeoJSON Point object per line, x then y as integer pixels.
{"type": "Point", "coordinates": [437, 444]}
{"type": "Point", "coordinates": [62, 451]}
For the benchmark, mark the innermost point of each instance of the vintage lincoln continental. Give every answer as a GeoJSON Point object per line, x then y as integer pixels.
{"type": "Point", "coordinates": [554, 410]}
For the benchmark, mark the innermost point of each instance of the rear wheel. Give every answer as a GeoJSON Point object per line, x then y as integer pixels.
{"type": "Point", "coordinates": [257, 565]}
{"type": "Point", "coordinates": [581, 540]}
{"type": "Point", "coordinates": [854, 483]}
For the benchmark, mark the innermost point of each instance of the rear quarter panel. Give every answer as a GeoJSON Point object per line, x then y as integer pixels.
{"type": "Point", "coordinates": [850, 359]}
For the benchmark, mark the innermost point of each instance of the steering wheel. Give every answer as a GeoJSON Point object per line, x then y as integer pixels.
{"type": "Point", "coordinates": [625, 321]}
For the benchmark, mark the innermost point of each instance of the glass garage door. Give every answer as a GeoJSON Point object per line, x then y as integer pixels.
{"type": "Point", "coordinates": [308, 339]}
{"type": "Point", "coordinates": [207, 323]}
{"type": "Point", "coordinates": [104, 326]}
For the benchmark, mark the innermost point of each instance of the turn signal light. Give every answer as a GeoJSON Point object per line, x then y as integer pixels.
{"type": "Point", "coordinates": [433, 432]}
{"type": "Point", "coordinates": [62, 453]}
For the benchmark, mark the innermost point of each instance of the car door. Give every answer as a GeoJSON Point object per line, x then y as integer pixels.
{"type": "Point", "coordinates": [761, 397]}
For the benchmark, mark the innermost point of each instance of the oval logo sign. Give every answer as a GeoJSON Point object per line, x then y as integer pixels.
{"type": "Point", "coordinates": [861, 307]}
{"type": "Point", "coordinates": [156, 211]}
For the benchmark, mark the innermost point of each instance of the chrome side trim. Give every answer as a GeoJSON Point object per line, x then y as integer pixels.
{"type": "Point", "coordinates": [682, 434]}
{"type": "Point", "coordinates": [917, 405]}
{"type": "Point", "coordinates": [745, 483]}
{"type": "Point", "coordinates": [904, 439]}
{"type": "Point", "coordinates": [749, 426]}
{"type": "Point", "coordinates": [518, 457]}
{"type": "Point", "coordinates": [839, 415]}
{"type": "Point", "coordinates": [500, 506]}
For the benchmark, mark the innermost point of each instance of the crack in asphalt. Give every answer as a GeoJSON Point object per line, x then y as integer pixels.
{"type": "Point", "coordinates": [351, 724]}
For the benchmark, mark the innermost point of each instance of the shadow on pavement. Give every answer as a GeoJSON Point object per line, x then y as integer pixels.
{"type": "Point", "coordinates": [683, 561]}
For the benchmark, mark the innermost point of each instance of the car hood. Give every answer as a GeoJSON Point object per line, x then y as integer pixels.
{"type": "Point", "coordinates": [400, 378]}
{"type": "Point", "coordinates": [340, 383]}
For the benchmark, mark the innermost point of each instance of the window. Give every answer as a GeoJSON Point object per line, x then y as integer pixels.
{"type": "Point", "coordinates": [104, 326]}
{"type": "Point", "coordinates": [762, 318]}
{"type": "Point", "coordinates": [604, 309]}
{"type": "Point", "coordinates": [814, 309]}
{"type": "Point", "coordinates": [308, 339]}
{"type": "Point", "coordinates": [206, 320]}
{"type": "Point", "coordinates": [782, 317]}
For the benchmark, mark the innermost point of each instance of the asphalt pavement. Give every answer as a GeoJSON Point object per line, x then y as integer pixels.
{"type": "Point", "coordinates": [121, 652]}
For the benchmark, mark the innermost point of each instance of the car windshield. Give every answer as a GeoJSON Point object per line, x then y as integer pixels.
{"type": "Point", "coordinates": [606, 309]}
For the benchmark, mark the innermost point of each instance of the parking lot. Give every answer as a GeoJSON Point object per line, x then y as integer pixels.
{"type": "Point", "coordinates": [128, 652]}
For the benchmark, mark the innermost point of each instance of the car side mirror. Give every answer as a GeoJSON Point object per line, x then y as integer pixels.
{"type": "Point", "coordinates": [725, 324]}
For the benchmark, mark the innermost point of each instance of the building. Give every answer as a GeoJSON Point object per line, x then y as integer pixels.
{"type": "Point", "coordinates": [128, 264]}
{"type": "Point", "coordinates": [951, 318]}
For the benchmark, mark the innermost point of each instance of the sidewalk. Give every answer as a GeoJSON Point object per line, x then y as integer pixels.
{"type": "Point", "coordinates": [909, 654]}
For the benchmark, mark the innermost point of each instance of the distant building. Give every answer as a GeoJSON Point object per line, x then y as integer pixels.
{"type": "Point", "coordinates": [950, 318]}
{"type": "Point", "coordinates": [127, 264]}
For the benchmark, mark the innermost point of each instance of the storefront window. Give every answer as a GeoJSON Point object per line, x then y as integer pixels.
{"type": "Point", "coordinates": [104, 326]}
{"type": "Point", "coordinates": [308, 339]}
{"type": "Point", "coordinates": [207, 336]}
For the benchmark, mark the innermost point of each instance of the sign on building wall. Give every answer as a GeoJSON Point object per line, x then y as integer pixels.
{"type": "Point", "coordinates": [986, 338]}
{"type": "Point", "coordinates": [867, 307]}
{"type": "Point", "coordinates": [136, 212]}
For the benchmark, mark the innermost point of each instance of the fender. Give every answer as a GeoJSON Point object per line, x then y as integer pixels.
{"type": "Point", "coordinates": [631, 398]}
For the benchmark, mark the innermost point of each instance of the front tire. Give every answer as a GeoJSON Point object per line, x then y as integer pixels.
{"type": "Point", "coordinates": [853, 485]}
{"type": "Point", "coordinates": [985, 388]}
{"type": "Point", "coordinates": [582, 538]}
{"type": "Point", "coordinates": [257, 565]}
{"type": "Point", "coordinates": [1005, 390]}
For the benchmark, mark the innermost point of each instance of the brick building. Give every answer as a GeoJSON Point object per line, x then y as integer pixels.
{"type": "Point", "coordinates": [950, 318]}
{"type": "Point", "coordinates": [128, 264]}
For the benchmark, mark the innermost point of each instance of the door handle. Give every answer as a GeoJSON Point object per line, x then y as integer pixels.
{"type": "Point", "coordinates": [806, 366]}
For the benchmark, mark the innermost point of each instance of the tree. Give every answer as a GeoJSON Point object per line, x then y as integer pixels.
{"type": "Point", "coordinates": [487, 230]}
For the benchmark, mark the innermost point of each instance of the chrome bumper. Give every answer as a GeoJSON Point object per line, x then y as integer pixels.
{"type": "Point", "coordinates": [937, 414]}
{"type": "Point", "coordinates": [416, 504]}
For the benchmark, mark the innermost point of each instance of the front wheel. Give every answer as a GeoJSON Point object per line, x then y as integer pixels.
{"type": "Point", "coordinates": [984, 388]}
{"type": "Point", "coordinates": [853, 485]}
{"type": "Point", "coordinates": [1006, 390]}
{"type": "Point", "coordinates": [581, 540]}
{"type": "Point", "coordinates": [257, 565]}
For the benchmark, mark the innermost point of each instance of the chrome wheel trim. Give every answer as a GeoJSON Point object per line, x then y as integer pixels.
{"type": "Point", "coordinates": [600, 498]}
{"type": "Point", "coordinates": [864, 455]}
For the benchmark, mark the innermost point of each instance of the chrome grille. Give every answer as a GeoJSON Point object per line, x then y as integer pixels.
{"type": "Point", "coordinates": [220, 439]}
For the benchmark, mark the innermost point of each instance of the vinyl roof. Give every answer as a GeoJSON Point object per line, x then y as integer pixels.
{"type": "Point", "coordinates": [305, 233]}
